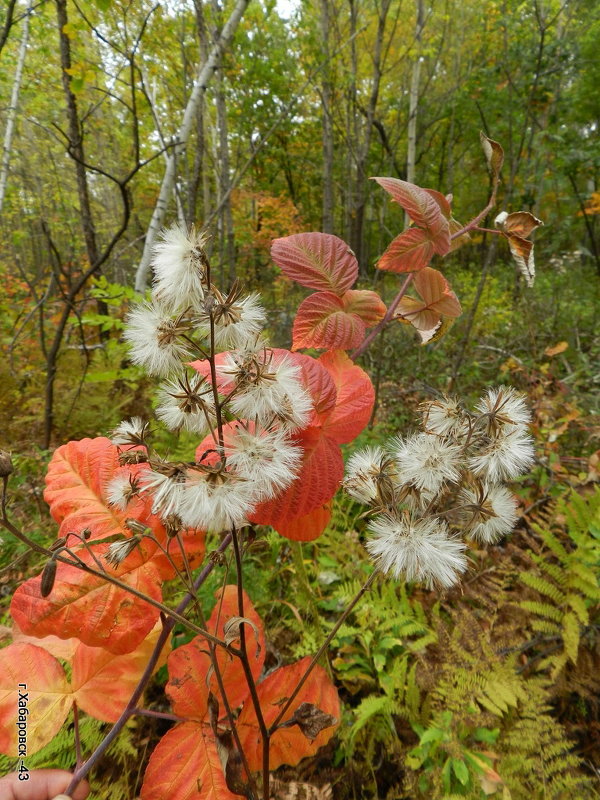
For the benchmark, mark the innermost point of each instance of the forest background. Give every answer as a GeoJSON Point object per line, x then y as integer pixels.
{"type": "Point", "coordinates": [302, 108]}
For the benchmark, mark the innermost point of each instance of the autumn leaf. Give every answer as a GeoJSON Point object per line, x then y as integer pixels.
{"type": "Point", "coordinates": [191, 675]}
{"type": "Point", "coordinates": [494, 155]}
{"type": "Point", "coordinates": [436, 300]}
{"type": "Point", "coordinates": [47, 702]}
{"type": "Point", "coordinates": [419, 204]}
{"type": "Point", "coordinates": [185, 765]}
{"type": "Point", "coordinates": [554, 350]}
{"type": "Point", "coordinates": [515, 227]}
{"type": "Point", "coordinates": [85, 606]}
{"type": "Point", "coordinates": [409, 252]}
{"type": "Point", "coordinates": [308, 527]}
{"type": "Point", "coordinates": [327, 320]}
{"type": "Point", "coordinates": [354, 401]}
{"type": "Point", "coordinates": [322, 322]}
{"type": "Point", "coordinates": [288, 745]}
{"type": "Point", "coordinates": [77, 492]}
{"type": "Point", "coordinates": [318, 260]}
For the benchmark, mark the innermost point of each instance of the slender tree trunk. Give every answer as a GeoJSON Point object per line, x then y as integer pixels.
{"type": "Point", "coordinates": [182, 138]}
{"type": "Point", "coordinates": [326, 100]}
{"type": "Point", "coordinates": [14, 102]}
{"type": "Point", "coordinates": [413, 100]}
{"type": "Point", "coordinates": [76, 149]}
{"type": "Point", "coordinates": [8, 19]}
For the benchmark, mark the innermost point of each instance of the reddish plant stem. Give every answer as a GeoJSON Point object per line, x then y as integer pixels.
{"type": "Point", "coordinates": [243, 656]}
{"type": "Point", "coordinates": [388, 316]}
{"type": "Point", "coordinates": [130, 708]}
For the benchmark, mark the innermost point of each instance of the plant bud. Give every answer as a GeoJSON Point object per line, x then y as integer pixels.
{"type": "Point", "coordinates": [48, 576]}
{"type": "Point", "coordinates": [6, 465]}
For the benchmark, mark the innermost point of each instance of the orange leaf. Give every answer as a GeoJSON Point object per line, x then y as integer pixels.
{"type": "Point", "coordinates": [103, 683]}
{"type": "Point", "coordinates": [437, 300]}
{"type": "Point", "coordinates": [308, 527]}
{"type": "Point", "coordinates": [323, 322]}
{"type": "Point", "coordinates": [288, 745]}
{"type": "Point", "coordinates": [521, 223]}
{"type": "Point", "coordinates": [44, 701]}
{"type": "Point", "coordinates": [365, 304]}
{"type": "Point", "coordinates": [190, 665]}
{"type": "Point", "coordinates": [76, 491]}
{"type": "Point", "coordinates": [355, 397]}
{"type": "Point", "coordinates": [87, 607]}
{"type": "Point", "coordinates": [556, 349]}
{"type": "Point", "coordinates": [185, 765]}
{"type": "Point", "coordinates": [409, 252]}
{"type": "Point", "coordinates": [318, 260]}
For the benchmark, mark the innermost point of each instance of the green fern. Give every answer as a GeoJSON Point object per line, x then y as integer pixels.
{"type": "Point", "coordinates": [566, 581]}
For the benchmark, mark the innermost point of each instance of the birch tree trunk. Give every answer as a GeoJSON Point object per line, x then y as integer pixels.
{"type": "Point", "coordinates": [181, 140]}
{"type": "Point", "coordinates": [12, 109]}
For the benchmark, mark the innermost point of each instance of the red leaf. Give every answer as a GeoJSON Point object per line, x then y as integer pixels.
{"type": "Point", "coordinates": [288, 745]}
{"type": "Point", "coordinates": [365, 304]}
{"type": "Point", "coordinates": [190, 665]}
{"type": "Point", "coordinates": [355, 397]}
{"type": "Point", "coordinates": [315, 380]}
{"type": "Point", "coordinates": [87, 607]}
{"type": "Point", "coordinates": [419, 204]}
{"type": "Point", "coordinates": [49, 697]}
{"type": "Point", "coordinates": [308, 527]}
{"type": "Point", "coordinates": [318, 260]}
{"type": "Point", "coordinates": [103, 683]}
{"type": "Point", "coordinates": [442, 200]}
{"type": "Point", "coordinates": [185, 765]}
{"type": "Point", "coordinates": [409, 252]}
{"type": "Point", "coordinates": [323, 322]}
{"type": "Point", "coordinates": [321, 472]}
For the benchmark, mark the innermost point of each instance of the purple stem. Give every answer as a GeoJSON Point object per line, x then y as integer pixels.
{"type": "Point", "coordinates": [388, 316]}
{"type": "Point", "coordinates": [130, 708]}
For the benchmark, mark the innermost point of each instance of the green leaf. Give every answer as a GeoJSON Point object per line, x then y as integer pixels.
{"type": "Point", "coordinates": [461, 770]}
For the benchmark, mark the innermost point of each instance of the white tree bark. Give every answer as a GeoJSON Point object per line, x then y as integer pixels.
{"type": "Point", "coordinates": [181, 140]}
{"type": "Point", "coordinates": [12, 109]}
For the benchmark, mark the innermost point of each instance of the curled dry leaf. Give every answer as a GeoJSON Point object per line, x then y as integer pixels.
{"type": "Point", "coordinates": [310, 719]}
{"type": "Point", "coordinates": [494, 155]}
{"type": "Point", "coordinates": [515, 227]}
{"type": "Point", "coordinates": [231, 630]}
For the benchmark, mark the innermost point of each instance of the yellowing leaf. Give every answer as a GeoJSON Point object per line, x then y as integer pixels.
{"type": "Point", "coordinates": [554, 350]}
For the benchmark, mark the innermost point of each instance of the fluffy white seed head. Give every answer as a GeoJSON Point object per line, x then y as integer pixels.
{"type": "Point", "coordinates": [215, 502]}
{"type": "Point", "coordinates": [446, 417]}
{"type": "Point", "coordinates": [188, 405]}
{"type": "Point", "coordinates": [130, 432]}
{"type": "Point", "coordinates": [503, 457]}
{"type": "Point", "coordinates": [427, 461]}
{"type": "Point", "coordinates": [372, 477]}
{"type": "Point", "coordinates": [415, 549]}
{"type": "Point", "coordinates": [154, 337]}
{"type": "Point", "coordinates": [120, 490]}
{"type": "Point", "coordinates": [165, 487]}
{"type": "Point", "coordinates": [503, 408]}
{"type": "Point", "coordinates": [490, 513]}
{"type": "Point", "coordinates": [240, 322]}
{"type": "Point", "coordinates": [268, 391]}
{"type": "Point", "coordinates": [179, 267]}
{"type": "Point", "coordinates": [268, 460]}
